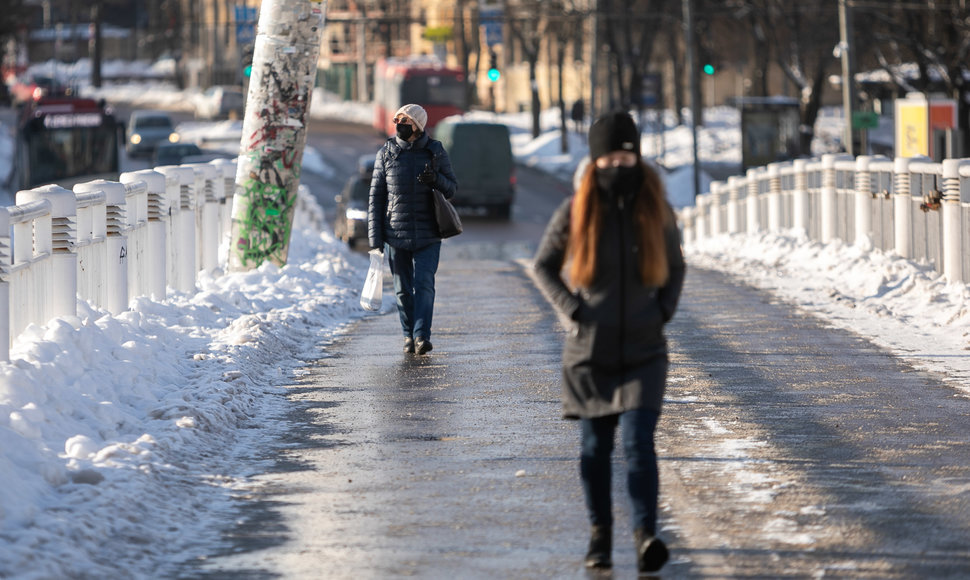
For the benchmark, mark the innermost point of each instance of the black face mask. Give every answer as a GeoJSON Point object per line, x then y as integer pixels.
{"type": "Point", "coordinates": [621, 180]}
{"type": "Point", "coordinates": [404, 131]}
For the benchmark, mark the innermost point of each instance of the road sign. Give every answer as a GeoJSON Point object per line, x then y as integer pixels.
{"type": "Point", "coordinates": [246, 25]}
{"type": "Point", "coordinates": [865, 120]}
{"type": "Point", "coordinates": [650, 89]}
{"type": "Point", "coordinates": [491, 19]}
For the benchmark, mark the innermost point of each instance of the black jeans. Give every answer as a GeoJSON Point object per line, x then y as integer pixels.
{"type": "Point", "coordinates": [643, 481]}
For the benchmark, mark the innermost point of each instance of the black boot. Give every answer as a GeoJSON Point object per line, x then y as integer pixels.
{"type": "Point", "coordinates": [600, 548]}
{"type": "Point", "coordinates": [408, 344]}
{"type": "Point", "coordinates": [652, 553]}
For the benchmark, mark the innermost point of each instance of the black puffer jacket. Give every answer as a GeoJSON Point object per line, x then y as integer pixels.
{"type": "Point", "coordinates": [400, 210]}
{"type": "Point", "coordinates": [615, 357]}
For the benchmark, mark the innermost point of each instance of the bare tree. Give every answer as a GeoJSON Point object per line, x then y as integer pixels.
{"type": "Point", "coordinates": [936, 38]}
{"type": "Point", "coordinates": [528, 22]}
{"type": "Point", "coordinates": [800, 37]}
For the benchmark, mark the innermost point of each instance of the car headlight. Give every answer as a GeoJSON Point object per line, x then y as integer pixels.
{"type": "Point", "coordinates": [356, 214]}
{"type": "Point", "coordinates": [135, 139]}
{"type": "Point", "coordinates": [173, 138]}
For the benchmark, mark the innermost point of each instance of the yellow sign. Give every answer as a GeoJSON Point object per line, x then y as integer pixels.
{"type": "Point", "coordinates": [912, 128]}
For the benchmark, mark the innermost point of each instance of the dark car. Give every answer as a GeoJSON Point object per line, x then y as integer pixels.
{"type": "Point", "coordinates": [481, 156]}
{"type": "Point", "coordinates": [350, 224]}
{"type": "Point", "coordinates": [174, 153]}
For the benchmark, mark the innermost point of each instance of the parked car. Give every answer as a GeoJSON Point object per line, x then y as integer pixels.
{"type": "Point", "coordinates": [350, 224]}
{"type": "Point", "coordinates": [221, 102]}
{"type": "Point", "coordinates": [173, 153]}
{"type": "Point", "coordinates": [146, 130]}
{"type": "Point", "coordinates": [33, 88]}
{"type": "Point", "coordinates": [481, 155]}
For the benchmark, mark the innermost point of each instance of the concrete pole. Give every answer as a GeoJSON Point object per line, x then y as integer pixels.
{"type": "Point", "coordinates": [695, 96]}
{"type": "Point", "coordinates": [847, 55]}
{"type": "Point", "coordinates": [274, 131]}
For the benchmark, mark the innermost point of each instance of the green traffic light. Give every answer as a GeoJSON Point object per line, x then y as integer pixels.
{"type": "Point", "coordinates": [708, 69]}
{"type": "Point", "coordinates": [248, 71]}
{"type": "Point", "coordinates": [494, 74]}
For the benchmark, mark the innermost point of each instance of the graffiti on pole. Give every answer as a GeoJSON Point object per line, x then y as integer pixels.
{"type": "Point", "coordinates": [274, 131]}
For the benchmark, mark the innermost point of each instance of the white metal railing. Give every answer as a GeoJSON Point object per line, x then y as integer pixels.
{"type": "Point", "coordinates": [107, 242]}
{"type": "Point", "coordinates": [912, 206]}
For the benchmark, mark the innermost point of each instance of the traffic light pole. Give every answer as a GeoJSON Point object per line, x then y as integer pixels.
{"type": "Point", "coordinates": [695, 98]}
{"type": "Point", "coordinates": [274, 131]}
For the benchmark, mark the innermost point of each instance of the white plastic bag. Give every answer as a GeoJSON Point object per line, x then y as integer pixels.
{"type": "Point", "coordinates": [372, 296]}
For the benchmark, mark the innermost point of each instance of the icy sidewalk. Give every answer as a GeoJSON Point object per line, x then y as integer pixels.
{"type": "Point", "coordinates": [790, 448]}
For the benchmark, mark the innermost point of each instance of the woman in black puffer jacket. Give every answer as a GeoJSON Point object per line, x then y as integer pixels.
{"type": "Point", "coordinates": [619, 237]}
{"type": "Point", "coordinates": [401, 219]}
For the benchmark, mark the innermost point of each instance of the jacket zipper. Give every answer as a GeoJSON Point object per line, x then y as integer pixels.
{"type": "Point", "coordinates": [622, 254]}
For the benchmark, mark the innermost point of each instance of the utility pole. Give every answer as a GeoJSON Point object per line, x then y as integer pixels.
{"type": "Point", "coordinates": [593, 61]}
{"type": "Point", "coordinates": [847, 54]}
{"type": "Point", "coordinates": [695, 97]}
{"type": "Point", "coordinates": [274, 131]}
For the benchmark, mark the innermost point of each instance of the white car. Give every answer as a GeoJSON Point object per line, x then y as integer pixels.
{"type": "Point", "coordinates": [221, 102]}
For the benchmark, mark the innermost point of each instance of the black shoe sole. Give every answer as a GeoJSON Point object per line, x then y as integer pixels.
{"type": "Point", "coordinates": [653, 554]}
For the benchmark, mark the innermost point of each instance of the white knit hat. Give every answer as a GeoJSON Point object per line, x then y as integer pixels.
{"type": "Point", "coordinates": [415, 113]}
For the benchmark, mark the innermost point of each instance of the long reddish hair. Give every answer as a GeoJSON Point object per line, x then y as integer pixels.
{"type": "Point", "coordinates": [651, 217]}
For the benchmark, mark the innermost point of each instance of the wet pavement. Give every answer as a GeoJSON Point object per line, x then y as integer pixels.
{"type": "Point", "coordinates": [788, 449]}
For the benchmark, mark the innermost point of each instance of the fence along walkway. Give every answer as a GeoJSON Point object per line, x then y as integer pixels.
{"type": "Point", "coordinates": [107, 242]}
{"type": "Point", "coordinates": [913, 206]}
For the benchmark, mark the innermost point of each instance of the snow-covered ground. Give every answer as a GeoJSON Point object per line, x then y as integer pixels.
{"type": "Point", "coordinates": [114, 431]}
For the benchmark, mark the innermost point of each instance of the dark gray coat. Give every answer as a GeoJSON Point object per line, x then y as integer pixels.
{"type": "Point", "coordinates": [400, 210]}
{"type": "Point", "coordinates": [615, 356]}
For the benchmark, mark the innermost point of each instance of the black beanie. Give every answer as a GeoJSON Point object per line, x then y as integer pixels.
{"type": "Point", "coordinates": [613, 132]}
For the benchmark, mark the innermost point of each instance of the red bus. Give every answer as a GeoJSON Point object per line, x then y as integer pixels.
{"type": "Point", "coordinates": [440, 90]}
{"type": "Point", "coordinates": [66, 141]}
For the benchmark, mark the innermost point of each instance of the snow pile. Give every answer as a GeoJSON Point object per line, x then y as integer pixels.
{"type": "Point", "coordinates": [902, 305]}
{"type": "Point", "coordinates": [114, 431]}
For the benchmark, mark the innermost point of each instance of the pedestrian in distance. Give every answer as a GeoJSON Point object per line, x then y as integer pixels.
{"type": "Point", "coordinates": [401, 218]}
{"type": "Point", "coordinates": [624, 269]}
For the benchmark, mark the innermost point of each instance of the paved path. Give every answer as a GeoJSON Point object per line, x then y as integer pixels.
{"type": "Point", "coordinates": [788, 449]}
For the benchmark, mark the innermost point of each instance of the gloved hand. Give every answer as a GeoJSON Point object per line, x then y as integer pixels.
{"type": "Point", "coordinates": [427, 176]}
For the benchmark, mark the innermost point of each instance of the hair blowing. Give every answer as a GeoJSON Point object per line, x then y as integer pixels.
{"type": "Point", "coordinates": [651, 217]}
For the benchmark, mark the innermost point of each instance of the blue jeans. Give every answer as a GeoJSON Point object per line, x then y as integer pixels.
{"type": "Point", "coordinates": [643, 481]}
{"type": "Point", "coordinates": [414, 287]}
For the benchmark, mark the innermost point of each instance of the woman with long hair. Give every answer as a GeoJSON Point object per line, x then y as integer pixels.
{"type": "Point", "coordinates": [611, 263]}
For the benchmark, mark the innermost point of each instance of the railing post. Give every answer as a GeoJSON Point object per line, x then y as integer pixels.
{"type": "Point", "coordinates": [863, 202]}
{"type": "Point", "coordinates": [5, 264]}
{"type": "Point", "coordinates": [902, 207]}
{"type": "Point", "coordinates": [183, 241]}
{"type": "Point", "coordinates": [716, 194]}
{"type": "Point", "coordinates": [701, 203]}
{"type": "Point", "coordinates": [952, 234]}
{"type": "Point", "coordinates": [753, 203]}
{"type": "Point", "coordinates": [156, 253]}
{"type": "Point", "coordinates": [227, 167]}
{"type": "Point", "coordinates": [774, 198]}
{"type": "Point", "coordinates": [208, 180]}
{"type": "Point", "coordinates": [827, 202]}
{"type": "Point", "coordinates": [116, 242]}
{"type": "Point", "coordinates": [690, 225]}
{"type": "Point", "coordinates": [63, 237]}
{"type": "Point", "coordinates": [800, 207]}
{"type": "Point", "coordinates": [735, 183]}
